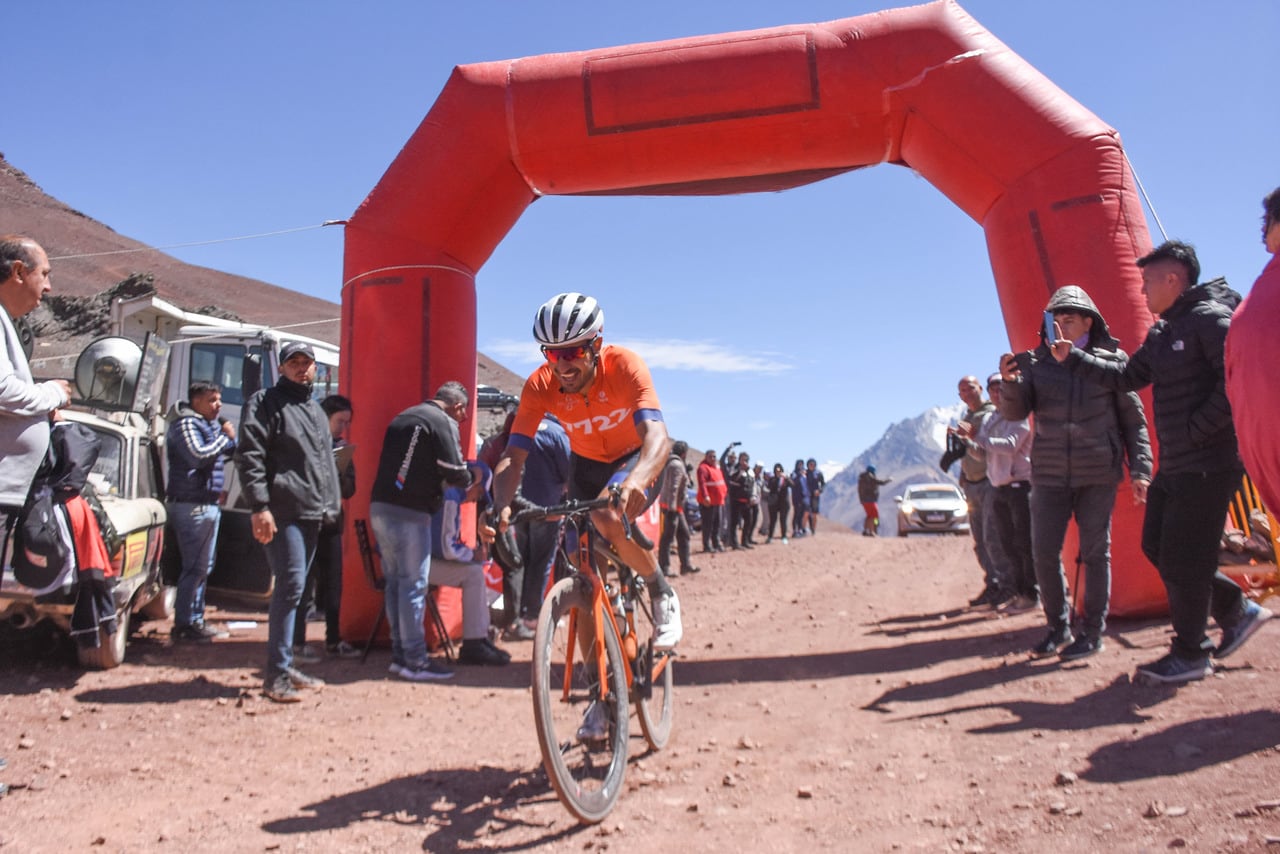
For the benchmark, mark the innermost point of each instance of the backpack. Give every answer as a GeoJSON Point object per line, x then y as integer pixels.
{"type": "Point", "coordinates": [43, 556]}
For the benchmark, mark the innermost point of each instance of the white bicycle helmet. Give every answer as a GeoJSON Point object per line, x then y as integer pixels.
{"type": "Point", "coordinates": [568, 319]}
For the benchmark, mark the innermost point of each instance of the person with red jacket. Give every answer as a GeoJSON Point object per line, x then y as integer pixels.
{"type": "Point", "coordinates": [712, 493]}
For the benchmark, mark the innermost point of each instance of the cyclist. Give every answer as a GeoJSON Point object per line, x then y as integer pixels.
{"type": "Point", "coordinates": [604, 398]}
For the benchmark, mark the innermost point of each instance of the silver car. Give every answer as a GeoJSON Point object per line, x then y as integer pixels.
{"type": "Point", "coordinates": [932, 507]}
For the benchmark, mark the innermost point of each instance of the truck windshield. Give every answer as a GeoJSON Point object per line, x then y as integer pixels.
{"type": "Point", "coordinates": [222, 364]}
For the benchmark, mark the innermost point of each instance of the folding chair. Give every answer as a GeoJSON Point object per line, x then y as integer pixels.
{"type": "Point", "coordinates": [379, 583]}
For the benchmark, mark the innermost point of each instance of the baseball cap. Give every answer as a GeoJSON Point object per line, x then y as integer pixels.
{"type": "Point", "coordinates": [292, 348]}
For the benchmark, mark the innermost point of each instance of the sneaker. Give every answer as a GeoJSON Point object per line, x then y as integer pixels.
{"type": "Point", "coordinates": [690, 570]}
{"type": "Point", "coordinates": [477, 651]}
{"type": "Point", "coordinates": [426, 671]}
{"type": "Point", "coordinates": [1020, 604]}
{"type": "Point", "coordinates": [667, 628]}
{"type": "Point", "coordinates": [998, 600]}
{"type": "Point", "coordinates": [982, 598]}
{"type": "Point", "coordinates": [1055, 642]}
{"type": "Point", "coordinates": [302, 680]}
{"type": "Point", "coordinates": [281, 690]}
{"type": "Point", "coordinates": [1173, 668]}
{"type": "Point", "coordinates": [519, 631]}
{"type": "Point", "coordinates": [595, 723]}
{"type": "Point", "coordinates": [1082, 647]}
{"type": "Point", "coordinates": [396, 668]}
{"type": "Point", "coordinates": [341, 649]}
{"type": "Point", "coordinates": [1233, 637]}
{"type": "Point", "coordinates": [194, 633]}
{"type": "Point", "coordinates": [306, 653]}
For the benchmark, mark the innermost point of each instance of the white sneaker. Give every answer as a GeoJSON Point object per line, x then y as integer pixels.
{"type": "Point", "coordinates": [667, 628]}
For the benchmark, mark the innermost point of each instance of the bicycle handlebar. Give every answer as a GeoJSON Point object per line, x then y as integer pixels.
{"type": "Point", "coordinates": [531, 512]}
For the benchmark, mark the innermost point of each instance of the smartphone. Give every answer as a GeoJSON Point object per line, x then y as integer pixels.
{"type": "Point", "coordinates": [1048, 327]}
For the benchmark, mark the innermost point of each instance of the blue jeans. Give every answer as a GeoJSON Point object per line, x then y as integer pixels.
{"type": "Point", "coordinates": [289, 554]}
{"type": "Point", "coordinates": [196, 526]}
{"type": "Point", "coordinates": [996, 569]}
{"type": "Point", "coordinates": [1052, 507]}
{"type": "Point", "coordinates": [404, 541]}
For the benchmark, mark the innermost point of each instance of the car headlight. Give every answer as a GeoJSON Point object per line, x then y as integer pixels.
{"type": "Point", "coordinates": [962, 512]}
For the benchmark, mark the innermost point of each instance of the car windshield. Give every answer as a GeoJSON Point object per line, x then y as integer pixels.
{"type": "Point", "coordinates": [107, 476]}
{"type": "Point", "coordinates": [931, 494]}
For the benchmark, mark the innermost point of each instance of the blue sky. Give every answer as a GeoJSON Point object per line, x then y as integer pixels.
{"type": "Point", "coordinates": [801, 323]}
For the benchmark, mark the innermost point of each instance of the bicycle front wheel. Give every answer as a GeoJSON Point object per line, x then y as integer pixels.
{"type": "Point", "coordinates": [581, 718]}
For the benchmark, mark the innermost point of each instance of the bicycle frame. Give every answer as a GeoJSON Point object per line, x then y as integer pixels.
{"type": "Point", "coordinates": [586, 567]}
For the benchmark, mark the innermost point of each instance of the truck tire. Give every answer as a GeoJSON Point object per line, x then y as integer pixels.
{"type": "Point", "coordinates": [111, 647]}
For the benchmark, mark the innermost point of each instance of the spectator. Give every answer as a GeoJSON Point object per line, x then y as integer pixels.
{"type": "Point", "coordinates": [454, 565]}
{"type": "Point", "coordinates": [1008, 447]}
{"type": "Point", "coordinates": [799, 499]}
{"type": "Point", "coordinates": [757, 495]}
{"type": "Point", "coordinates": [869, 495]}
{"type": "Point", "coordinates": [778, 500]}
{"type": "Point", "coordinates": [421, 455]}
{"type": "Point", "coordinates": [741, 484]}
{"type": "Point", "coordinates": [545, 482]}
{"type": "Point", "coordinates": [981, 498]}
{"type": "Point", "coordinates": [817, 482]}
{"type": "Point", "coordinates": [285, 460]}
{"type": "Point", "coordinates": [712, 493]}
{"type": "Point", "coordinates": [1252, 355]}
{"type": "Point", "coordinates": [1199, 469]}
{"type": "Point", "coordinates": [197, 445]}
{"type": "Point", "coordinates": [324, 581]}
{"type": "Point", "coordinates": [671, 498]}
{"type": "Point", "coordinates": [25, 405]}
{"type": "Point", "coordinates": [1080, 429]}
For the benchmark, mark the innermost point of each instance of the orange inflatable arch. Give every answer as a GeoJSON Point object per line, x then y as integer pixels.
{"type": "Point", "coordinates": [925, 87]}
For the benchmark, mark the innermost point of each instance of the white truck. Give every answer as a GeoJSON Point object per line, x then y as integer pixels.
{"type": "Point", "coordinates": [241, 358]}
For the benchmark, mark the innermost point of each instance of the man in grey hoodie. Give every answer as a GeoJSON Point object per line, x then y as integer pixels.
{"type": "Point", "coordinates": [1084, 433]}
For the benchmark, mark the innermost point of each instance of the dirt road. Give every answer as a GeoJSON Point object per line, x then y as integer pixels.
{"type": "Point", "coordinates": [832, 694]}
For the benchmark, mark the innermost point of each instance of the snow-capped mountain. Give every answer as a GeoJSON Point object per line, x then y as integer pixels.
{"type": "Point", "coordinates": [908, 452]}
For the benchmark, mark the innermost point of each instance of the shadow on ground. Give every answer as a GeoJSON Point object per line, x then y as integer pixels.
{"type": "Point", "coordinates": [453, 807]}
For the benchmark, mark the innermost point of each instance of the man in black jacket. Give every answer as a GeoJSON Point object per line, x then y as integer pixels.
{"type": "Point", "coordinates": [1083, 435]}
{"type": "Point", "coordinates": [287, 472]}
{"type": "Point", "coordinates": [421, 452]}
{"type": "Point", "coordinates": [1200, 468]}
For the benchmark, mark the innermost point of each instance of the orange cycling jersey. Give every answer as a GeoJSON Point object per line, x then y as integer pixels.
{"type": "Point", "coordinates": [601, 420]}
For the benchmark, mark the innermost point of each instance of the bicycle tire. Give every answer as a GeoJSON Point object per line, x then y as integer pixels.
{"type": "Point", "coordinates": [653, 695]}
{"type": "Point", "coordinates": [587, 777]}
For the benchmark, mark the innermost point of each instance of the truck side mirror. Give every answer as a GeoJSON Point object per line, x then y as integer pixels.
{"type": "Point", "coordinates": [251, 375]}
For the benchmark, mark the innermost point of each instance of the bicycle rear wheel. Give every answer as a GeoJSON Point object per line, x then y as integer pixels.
{"type": "Point", "coordinates": [587, 775]}
{"type": "Point", "coordinates": [652, 678]}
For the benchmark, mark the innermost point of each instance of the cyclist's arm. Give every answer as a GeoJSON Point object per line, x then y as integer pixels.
{"type": "Point", "coordinates": [506, 477]}
{"type": "Point", "coordinates": [654, 450]}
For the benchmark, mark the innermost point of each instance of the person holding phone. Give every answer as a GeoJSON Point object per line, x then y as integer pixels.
{"type": "Point", "coordinates": [1200, 469]}
{"type": "Point", "coordinates": [1075, 470]}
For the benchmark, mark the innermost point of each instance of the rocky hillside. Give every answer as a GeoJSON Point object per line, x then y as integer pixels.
{"type": "Point", "coordinates": [77, 310]}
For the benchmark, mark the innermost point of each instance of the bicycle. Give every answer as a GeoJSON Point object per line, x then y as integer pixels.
{"type": "Point", "coordinates": [594, 645]}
